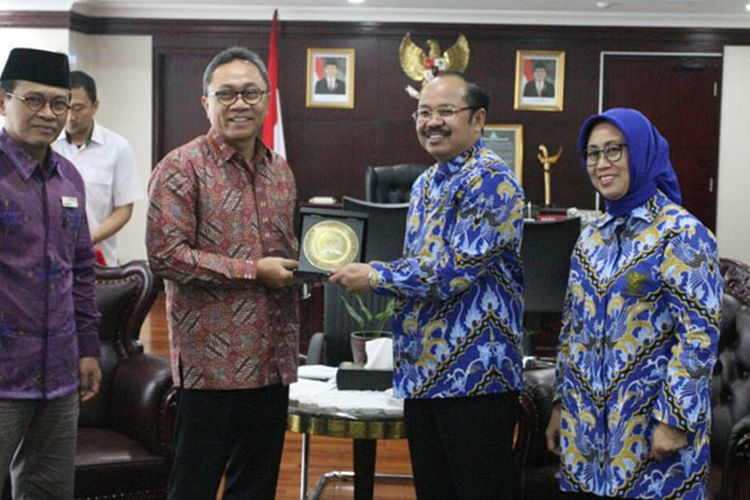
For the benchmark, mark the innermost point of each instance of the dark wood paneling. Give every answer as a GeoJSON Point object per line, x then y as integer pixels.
{"type": "Point", "coordinates": [329, 149]}
{"type": "Point", "coordinates": [682, 95]}
{"type": "Point", "coordinates": [34, 19]}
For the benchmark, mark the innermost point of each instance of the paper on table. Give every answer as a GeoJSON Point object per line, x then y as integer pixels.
{"type": "Point", "coordinates": [316, 372]}
{"type": "Point", "coordinates": [322, 200]}
{"type": "Point", "coordinates": [379, 354]}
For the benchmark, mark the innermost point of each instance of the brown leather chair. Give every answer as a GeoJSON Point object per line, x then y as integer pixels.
{"type": "Point", "coordinates": [124, 433]}
{"type": "Point", "coordinates": [730, 389]}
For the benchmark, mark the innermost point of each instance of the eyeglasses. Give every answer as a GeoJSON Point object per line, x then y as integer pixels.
{"type": "Point", "coordinates": [229, 97]}
{"type": "Point", "coordinates": [611, 152]}
{"type": "Point", "coordinates": [443, 112]}
{"type": "Point", "coordinates": [35, 102]}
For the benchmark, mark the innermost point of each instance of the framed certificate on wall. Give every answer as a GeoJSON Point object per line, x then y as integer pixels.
{"type": "Point", "coordinates": [507, 142]}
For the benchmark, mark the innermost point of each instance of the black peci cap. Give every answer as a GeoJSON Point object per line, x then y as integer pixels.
{"type": "Point", "coordinates": [39, 66]}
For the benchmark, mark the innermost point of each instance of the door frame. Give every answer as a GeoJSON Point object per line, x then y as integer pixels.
{"type": "Point", "coordinates": [602, 56]}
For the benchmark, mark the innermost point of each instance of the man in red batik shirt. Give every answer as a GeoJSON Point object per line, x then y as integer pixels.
{"type": "Point", "coordinates": [220, 232]}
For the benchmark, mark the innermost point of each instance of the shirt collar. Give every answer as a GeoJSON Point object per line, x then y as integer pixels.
{"type": "Point", "coordinates": [22, 161]}
{"type": "Point", "coordinates": [96, 136]}
{"type": "Point", "coordinates": [226, 153]}
{"type": "Point", "coordinates": [452, 167]}
{"type": "Point", "coordinates": [646, 212]}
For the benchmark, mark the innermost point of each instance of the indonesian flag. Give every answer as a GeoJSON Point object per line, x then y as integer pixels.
{"type": "Point", "coordinates": [273, 129]}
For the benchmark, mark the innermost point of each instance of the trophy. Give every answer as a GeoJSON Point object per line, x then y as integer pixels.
{"type": "Point", "coordinates": [547, 162]}
{"type": "Point", "coordinates": [330, 239]}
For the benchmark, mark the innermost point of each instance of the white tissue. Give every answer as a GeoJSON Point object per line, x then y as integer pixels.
{"type": "Point", "coordinates": [379, 354]}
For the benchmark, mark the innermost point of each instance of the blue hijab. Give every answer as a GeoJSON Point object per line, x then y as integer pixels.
{"type": "Point", "coordinates": [648, 159]}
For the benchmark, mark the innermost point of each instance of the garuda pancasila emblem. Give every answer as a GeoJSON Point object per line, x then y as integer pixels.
{"type": "Point", "coordinates": [423, 67]}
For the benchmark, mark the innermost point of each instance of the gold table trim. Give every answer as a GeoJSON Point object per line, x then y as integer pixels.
{"type": "Point", "coordinates": [378, 427]}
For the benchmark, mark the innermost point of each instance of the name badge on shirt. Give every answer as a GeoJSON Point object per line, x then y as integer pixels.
{"type": "Point", "coordinates": [70, 202]}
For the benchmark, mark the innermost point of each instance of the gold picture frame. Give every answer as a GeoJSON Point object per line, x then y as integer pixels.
{"type": "Point", "coordinates": [540, 80]}
{"type": "Point", "coordinates": [507, 142]}
{"type": "Point", "coordinates": [330, 78]}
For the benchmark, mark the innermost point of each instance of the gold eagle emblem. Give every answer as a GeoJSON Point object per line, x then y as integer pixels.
{"type": "Point", "coordinates": [423, 67]}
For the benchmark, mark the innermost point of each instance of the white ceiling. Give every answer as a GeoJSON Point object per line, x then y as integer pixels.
{"type": "Point", "coordinates": [688, 13]}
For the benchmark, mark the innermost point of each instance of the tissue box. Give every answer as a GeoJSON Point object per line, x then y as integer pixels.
{"type": "Point", "coordinates": [359, 379]}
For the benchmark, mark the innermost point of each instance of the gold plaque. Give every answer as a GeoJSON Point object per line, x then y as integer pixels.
{"type": "Point", "coordinates": [330, 244]}
{"type": "Point", "coordinates": [330, 239]}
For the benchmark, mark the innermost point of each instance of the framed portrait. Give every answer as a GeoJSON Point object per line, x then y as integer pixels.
{"type": "Point", "coordinates": [507, 142]}
{"type": "Point", "coordinates": [540, 80]}
{"type": "Point", "coordinates": [330, 78]}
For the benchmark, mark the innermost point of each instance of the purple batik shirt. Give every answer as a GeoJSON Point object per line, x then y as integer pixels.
{"type": "Point", "coordinates": [48, 316]}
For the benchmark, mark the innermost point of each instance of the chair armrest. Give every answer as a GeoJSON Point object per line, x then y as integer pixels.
{"type": "Point", "coordinates": [140, 390]}
{"type": "Point", "coordinates": [539, 388]}
{"type": "Point", "coordinates": [736, 474]}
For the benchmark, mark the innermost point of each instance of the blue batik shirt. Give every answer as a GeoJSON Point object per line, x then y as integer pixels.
{"type": "Point", "coordinates": [459, 285]}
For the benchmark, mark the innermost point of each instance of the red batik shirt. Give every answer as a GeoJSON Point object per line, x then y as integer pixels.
{"type": "Point", "coordinates": [211, 216]}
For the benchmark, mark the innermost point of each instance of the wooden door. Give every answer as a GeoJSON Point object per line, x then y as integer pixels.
{"type": "Point", "coordinates": [680, 95]}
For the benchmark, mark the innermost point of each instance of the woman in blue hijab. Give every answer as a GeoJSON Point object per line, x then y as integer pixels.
{"type": "Point", "coordinates": [632, 414]}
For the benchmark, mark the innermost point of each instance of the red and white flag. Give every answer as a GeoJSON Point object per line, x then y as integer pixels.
{"type": "Point", "coordinates": [273, 129]}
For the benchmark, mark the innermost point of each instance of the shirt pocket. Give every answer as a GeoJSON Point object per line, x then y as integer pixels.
{"type": "Point", "coordinates": [99, 194]}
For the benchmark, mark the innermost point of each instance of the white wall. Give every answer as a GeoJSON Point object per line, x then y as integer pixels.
{"type": "Point", "coordinates": [733, 210]}
{"type": "Point", "coordinates": [121, 66]}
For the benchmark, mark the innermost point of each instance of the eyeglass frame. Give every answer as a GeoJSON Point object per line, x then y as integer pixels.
{"type": "Point", "coordinates": [451, 112]}
{"type": "Point", "coordinates": [613, 148]}
{"type": "Point", "coordinates": [237, 95]}
{"type": "Point", "coordinates": [44, 102]}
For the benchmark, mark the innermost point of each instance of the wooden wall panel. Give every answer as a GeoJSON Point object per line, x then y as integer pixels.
{"type": "Point", "coordinates": [329, 149]}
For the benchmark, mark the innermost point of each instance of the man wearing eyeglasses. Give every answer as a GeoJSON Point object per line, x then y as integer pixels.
{"type": "Point", "coordinates": [48, 318]}
{"type": "Point", "coordinates": [106, 162]}
{"type": "Point", "coordinates": [220, 233]}
{"type": "Point", "coordinates": [457, 327]}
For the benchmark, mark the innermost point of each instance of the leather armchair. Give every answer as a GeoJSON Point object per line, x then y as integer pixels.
{"type": "Point", "coordinates": [391, 184]}
{"type": "Point", "coordinates": [730, 389]}
{"type": "Point", "coordinates": [124, 433]}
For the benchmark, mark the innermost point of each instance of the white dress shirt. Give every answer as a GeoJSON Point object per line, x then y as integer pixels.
{"type": "Point", "coordinates": [107, 165]}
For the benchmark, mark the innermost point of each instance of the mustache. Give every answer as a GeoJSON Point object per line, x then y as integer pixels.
{"type": "Point", "coordinates": [443, 130]}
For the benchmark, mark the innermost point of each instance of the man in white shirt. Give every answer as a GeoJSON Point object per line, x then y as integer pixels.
{"type": "Point", "coordinates": [106, 163]}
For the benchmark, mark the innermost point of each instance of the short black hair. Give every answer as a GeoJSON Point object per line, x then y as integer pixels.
{"type": "Point", "coordinates": [539, 64]}
{"type": "Point", "coordinates": [234, 54]}
{"type": "Point", "coordinates": [79, 79]}
{"type": "Point", "coordinates": [474, 95]}
{"type": "Point", "coordinates": [331, 61]}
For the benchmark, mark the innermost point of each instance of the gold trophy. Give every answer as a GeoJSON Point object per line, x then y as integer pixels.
{"type": "Point", "coordinates": [547, 161]}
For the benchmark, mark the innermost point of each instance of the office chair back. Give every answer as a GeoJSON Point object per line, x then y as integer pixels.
{"type": "Point", "coordinates": [386, 226]}
{"type": "Point", "coordinates": [391, 184]}
{"type": "Point", "coordinates": [545, 251]}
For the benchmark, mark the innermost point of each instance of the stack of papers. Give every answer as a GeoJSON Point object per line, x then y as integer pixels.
{"type": "Point", "coordinates": [322, 396]}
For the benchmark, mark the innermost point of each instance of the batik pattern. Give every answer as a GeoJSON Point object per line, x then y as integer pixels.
{"type": "Point", "coordinates": [212, 215]}
{"type": "Point", "coordinates": [638, 343]}
{"type": "Point", "coordinates": [457, 331]}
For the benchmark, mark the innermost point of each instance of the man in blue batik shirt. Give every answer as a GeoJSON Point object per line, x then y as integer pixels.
{"type": "Point", "coordinates": [459, 287]}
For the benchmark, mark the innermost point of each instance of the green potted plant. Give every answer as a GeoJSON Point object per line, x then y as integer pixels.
{"type": "Point", "coordinates": [371, 325]}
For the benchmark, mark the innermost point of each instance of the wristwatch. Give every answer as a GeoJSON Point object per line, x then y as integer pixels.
{"type": "Point", "coordinates": [372, 279]}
